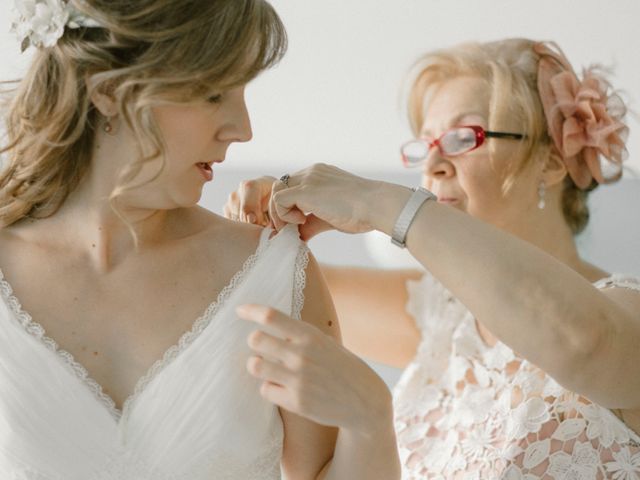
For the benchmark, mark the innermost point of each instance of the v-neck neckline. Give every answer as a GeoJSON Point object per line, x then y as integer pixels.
{"type": "Point", "coordinates": [37, 331]}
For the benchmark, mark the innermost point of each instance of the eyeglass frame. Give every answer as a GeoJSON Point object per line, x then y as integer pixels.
{"type": "Point", "coordinates": [481, 136]}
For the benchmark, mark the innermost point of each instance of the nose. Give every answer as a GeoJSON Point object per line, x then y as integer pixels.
{"type": "Point", "coordinates": [237, 127]}
{"type": "Point", "coordinates": [436, 166]}
{"type": "Point", "coordinates": [242, 124]}
{"type": "Point", "coordinates": [245, 133]}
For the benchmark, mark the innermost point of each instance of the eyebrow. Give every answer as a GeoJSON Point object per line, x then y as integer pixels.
{"type": "Point", "coordinates": [454, 121]}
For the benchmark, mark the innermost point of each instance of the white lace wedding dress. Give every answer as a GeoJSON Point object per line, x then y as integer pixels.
{"type": "Point", "coordinates": [197, 414]}
{"type": "Point", "coordinates": [465, 410]}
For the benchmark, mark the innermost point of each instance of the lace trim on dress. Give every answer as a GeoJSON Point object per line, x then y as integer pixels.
{"type": "Point", "coordinates": [38, 332]}
{"type": "Point", "coordinates": [300, 281]}
{"type": "Point", "coordinates": [198, 326]}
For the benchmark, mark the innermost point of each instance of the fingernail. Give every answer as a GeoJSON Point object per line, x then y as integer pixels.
{"type": "Point", "coordinates": [241, 309]}
{"type": "Point", "coordinates": [252, 218]}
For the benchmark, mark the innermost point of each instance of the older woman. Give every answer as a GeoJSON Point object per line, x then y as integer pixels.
{"type": "Point", "coordinates": [521, 357]}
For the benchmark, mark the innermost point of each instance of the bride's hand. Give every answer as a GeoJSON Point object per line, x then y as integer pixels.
{"type": "Point", "coordinates": [250, 202]}
{"type": "Point", "coordinates": [311, 375]}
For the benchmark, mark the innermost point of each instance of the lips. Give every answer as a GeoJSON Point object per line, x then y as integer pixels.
{"type": "Point", "coordinates": [205, 170]}
{"type": "Point", "coordinates": [449, 200]}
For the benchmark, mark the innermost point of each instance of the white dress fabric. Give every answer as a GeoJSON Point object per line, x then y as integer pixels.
{"type": "Point", "coordinates": [196, 414]}
{"type": "Point", "coordinates": [465, 410]}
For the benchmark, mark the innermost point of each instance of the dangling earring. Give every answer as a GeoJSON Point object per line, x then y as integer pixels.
{"type": "Point", "coordinates": [541, 194]}
{"type": "Point", "coordinates": [108, 128]}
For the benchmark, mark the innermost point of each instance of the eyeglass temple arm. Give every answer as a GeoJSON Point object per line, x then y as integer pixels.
{"type": "Point", "coordinates": [517, 136]}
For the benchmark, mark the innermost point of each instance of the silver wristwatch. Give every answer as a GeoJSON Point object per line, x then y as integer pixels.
{"type": "Point", "coordinates": [420, 195]}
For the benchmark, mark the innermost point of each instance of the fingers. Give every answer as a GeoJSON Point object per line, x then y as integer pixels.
{"type": "Point", "coordinates": [287, 203]}
{"type": "Point", "coordinates": [250, 202]}
{"type": "Point", "coordinates": [253, 200]}
{"type": "Point", "coordinates": [275, 220]}
{"type": "Point", "coordinates": [277, 349]}
{"type": "Point", "coordinates": [294, 330]}
{"type": "Point", "coordinates": [281, 218]}
{"type": "Point", "coordinates": [312, 227]}
{"type": "Point", "coordinates": [269, 371]}
{"type": "Point", "coordinates": [277, 362]}
{"type": "Point", "coordinates": [276, 394]}
{"type": "Point", "coordinates": [280, 364]}
{"type": "Point", "coordinates": [232, 207]}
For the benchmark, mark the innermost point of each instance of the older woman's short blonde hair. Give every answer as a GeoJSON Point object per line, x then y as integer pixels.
{"type": "Point", "coordinates": [510, 69]}
{"type": "Point", "coordinates": [147, 52]}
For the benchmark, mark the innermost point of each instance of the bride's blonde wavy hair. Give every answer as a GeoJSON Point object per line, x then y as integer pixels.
{"type": "Point", "coordinates": [148, 51]}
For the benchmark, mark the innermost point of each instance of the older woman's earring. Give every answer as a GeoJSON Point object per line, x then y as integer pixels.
{"type": "Point", "coordinates": [541, 195]}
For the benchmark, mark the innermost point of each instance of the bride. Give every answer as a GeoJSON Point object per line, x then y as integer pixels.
{"type": "Point", "coordinates": [123, 353]}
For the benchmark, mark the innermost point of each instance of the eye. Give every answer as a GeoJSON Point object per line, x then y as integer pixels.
{"type": "Point", "coordinates": [215, 98]}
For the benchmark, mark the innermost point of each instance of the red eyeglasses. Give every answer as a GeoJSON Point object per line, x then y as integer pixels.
{"type": "Point", "coordinates": [451, 143]}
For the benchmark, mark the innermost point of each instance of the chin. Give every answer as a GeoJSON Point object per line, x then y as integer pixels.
{"type": "Point", "coordinates": [187, 199]}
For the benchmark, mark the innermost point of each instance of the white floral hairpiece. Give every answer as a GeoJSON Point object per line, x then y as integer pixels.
{"type": "Point", "coordinates": [41, 23]}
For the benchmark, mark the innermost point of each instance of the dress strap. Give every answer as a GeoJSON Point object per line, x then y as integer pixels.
{"type": "Point", "coordinates": [288, 250]}
{"type": "Point", "coordinates": [265, 236]}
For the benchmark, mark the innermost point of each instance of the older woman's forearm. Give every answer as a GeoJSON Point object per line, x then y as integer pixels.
{"type": "Point", "coordinates": [523, 295]}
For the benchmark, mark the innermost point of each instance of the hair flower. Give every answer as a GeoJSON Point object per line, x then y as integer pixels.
{"type": "Point", "coordinates": [41, 23]}
{"type": "Point", "coordinates": [584, 120]}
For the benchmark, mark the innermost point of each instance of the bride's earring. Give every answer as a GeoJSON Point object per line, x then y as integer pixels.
{"type": "Point", "coordinates": [541, 194]}
{"type": "Point", "coordinates": [108, 127]}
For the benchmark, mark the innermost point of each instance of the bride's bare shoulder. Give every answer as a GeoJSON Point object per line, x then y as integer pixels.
{"type": "Point", "coordinates": [235, 237]}
{"type": "Point", "coordinates": [11, 237]}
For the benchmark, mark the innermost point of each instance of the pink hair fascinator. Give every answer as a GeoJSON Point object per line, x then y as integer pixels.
{"type": "Point", "coordinates": [585, 121]}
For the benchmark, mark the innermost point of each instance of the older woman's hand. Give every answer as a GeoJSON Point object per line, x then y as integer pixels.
{"type": "Point", "coordinates": [308, 373]}
{"type": "Point", "coordinates": [319, 198]}
{"type": "Point", "coordinates": [251, 203]}
{"type": "Point", "coordinates": [323, 197]}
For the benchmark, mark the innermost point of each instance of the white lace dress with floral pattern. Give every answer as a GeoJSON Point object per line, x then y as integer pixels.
{"type": "Point", "coordinates": [465, 410]}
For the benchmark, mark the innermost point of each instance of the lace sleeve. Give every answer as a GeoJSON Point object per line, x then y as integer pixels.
{"type": "Point", "coordinates": [416, 301]}
{"type": "Point", "coordinates": [429, 301]}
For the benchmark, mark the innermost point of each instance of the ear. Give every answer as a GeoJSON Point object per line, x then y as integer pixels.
{"type": "Point", "coordinates": [105, 103]}
{"type": "Point", "coordinates": [554, 170]}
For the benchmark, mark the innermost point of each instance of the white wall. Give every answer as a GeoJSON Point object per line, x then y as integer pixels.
{"type": "Point", "coordinates": [335, 97]}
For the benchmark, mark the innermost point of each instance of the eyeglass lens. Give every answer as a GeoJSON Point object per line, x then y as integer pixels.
{"type": "Point", "coordinates": [453, 142]}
